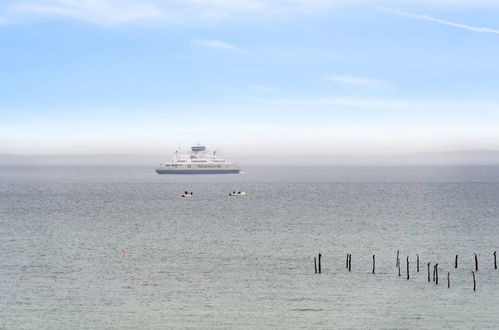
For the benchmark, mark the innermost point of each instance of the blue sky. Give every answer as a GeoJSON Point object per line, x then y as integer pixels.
{"type": "Point", "coordinates": [281, 76]}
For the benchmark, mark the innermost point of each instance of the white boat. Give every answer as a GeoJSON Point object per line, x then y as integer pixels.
{"type": "Point", "coordinates": [198, 161]}
{"type": "Point", "coordinates": [187, 194]}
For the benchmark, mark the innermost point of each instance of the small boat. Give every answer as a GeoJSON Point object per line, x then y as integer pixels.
{"type": "Point", "coordinates": [187, 194]}
{"type": "Point", "coordinates": [239, 193]}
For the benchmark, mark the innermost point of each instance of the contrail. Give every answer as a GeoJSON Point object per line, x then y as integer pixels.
{"type": "Point", "coordinates": [441, 21]}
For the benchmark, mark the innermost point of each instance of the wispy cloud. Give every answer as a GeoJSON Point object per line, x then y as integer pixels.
{"type": "Point", "coordinates": [102, 12]}
{"type": "Point", "coordinates": [458, 25]}
{"type": "Point", "coordinates": [361, 81]}
{"type": "Point", "coordinates": [111, 12]}
{"type": "Point", "coordinates": [218, 44]}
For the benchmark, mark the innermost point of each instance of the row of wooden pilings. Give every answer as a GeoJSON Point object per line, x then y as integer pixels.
{"type": "Point", "coordinates": [434, 277]}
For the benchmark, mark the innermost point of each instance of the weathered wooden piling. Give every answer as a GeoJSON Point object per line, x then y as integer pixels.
{"type": "Point", "coordinates": [495, 260]}
{"type": "Point", "coordinates": [428, 272]}
{"type": "Point", "coordinates": [417, 264]}
{"type": "Point", "coordinates": [320, 263]}
{"type": "Point", "coordinates": [476, 262]}
{"type": "Point", "coordinates": [436, 273]}
{"type": "Point", "coordinates": [407, 262]}
{"type": "Point", "coordinates": [315, 264]}
{"type": "Point", "coordinates": [374, 263]}
{"type": "Point", "coordinates": [346, 262]}
{"type": "Point", "coordinates": [448, 279]}
{"type": "Point", "coordinates": [397, 263]}
{"type": "Point", "coordinates": [455, 262]}
{"type": "Point", "coordinates": [474, 282]}
{"type": "Point", "coordinates": [433, 277]}
{"type": "Point", "coordinates": [350, 263]}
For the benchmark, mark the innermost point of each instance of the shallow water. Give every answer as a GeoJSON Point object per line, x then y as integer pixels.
{"type": "Point", "coordinates": [214, 261]}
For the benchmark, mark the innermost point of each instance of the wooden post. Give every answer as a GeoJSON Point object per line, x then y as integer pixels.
{"type": "Point", "coordinates": [417, 258]}
{"type": "Point", "coordinates": [495, 260]}
{"type": "Point", "coordinates": [436, 273]}
{"type": "Point", "coordinates": [474, 282]}
{"type": "Point", "coordinates": [397, 263]}
{"type": "Point", "coordinates": [428, 272]}
{"type": "Point", "coordinates": [320, 263]}
{"type": "Point", "coordinates": [476, 262]}
{"type": "Point", "coordinates": [374, 262]}
{"type": "Point", "coordinates": [315, 264]}
{"type": "Point", "coordinates": [455, 262]}
{"type": "Point", "coordinates": [448, 280]}
{"type": "Point", "coordinates": [433, 277]}
{"type": "Point", "coordinates": [346, 263]}
{"type": "Point", "coordinates": [350, 263]}
{"type": "Point", "coordinates": [407, 261]}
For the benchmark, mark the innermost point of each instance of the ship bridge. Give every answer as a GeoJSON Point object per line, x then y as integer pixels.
{"type": "Point", "coordinates": [198, 149]}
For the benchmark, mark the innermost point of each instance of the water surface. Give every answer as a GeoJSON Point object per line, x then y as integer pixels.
{"type": "Point", "coordinates": [214, 261]}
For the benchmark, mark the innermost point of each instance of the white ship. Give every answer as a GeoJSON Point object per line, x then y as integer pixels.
{"type": "Point", "coordinates": [198, 161]}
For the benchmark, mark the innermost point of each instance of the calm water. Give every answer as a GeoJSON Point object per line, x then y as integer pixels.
{"type": "Point", "coordinates": [214, 261]}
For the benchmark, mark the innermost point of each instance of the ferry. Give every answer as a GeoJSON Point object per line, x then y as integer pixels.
{"type": "Point", "coordinates": [198, 161]}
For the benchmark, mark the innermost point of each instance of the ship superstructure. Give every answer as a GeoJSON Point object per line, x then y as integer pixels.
{"type": "Point", "coordinates": [198, 161]}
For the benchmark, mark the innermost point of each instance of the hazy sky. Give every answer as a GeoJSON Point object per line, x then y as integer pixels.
{"type": "Point", "coordinates": [284, 76]}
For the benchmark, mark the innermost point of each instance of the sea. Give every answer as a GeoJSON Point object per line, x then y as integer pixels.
{"type": "Point", "coordinates": [119, 248]}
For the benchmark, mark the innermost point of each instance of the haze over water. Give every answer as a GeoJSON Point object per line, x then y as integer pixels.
{"type": "Point", "coordinates": [214, 261]}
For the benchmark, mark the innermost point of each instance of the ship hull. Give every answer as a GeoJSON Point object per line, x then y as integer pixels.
{"type": "Point", "coordinates": [198, 169]}
{"type": "Point", "coordinates": [195, 171]}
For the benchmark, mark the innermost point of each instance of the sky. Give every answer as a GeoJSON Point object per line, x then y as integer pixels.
{"type": "Point", "coordinates": [283, 77]}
